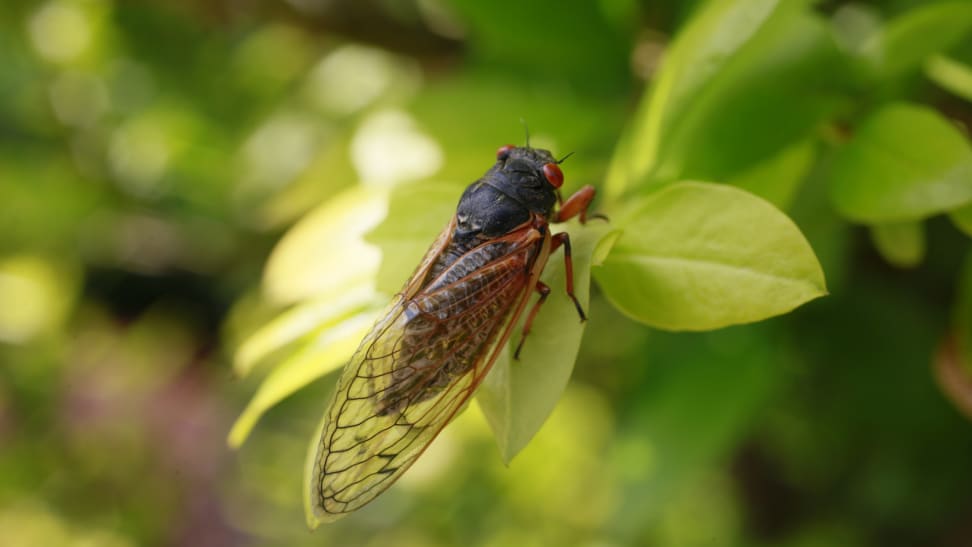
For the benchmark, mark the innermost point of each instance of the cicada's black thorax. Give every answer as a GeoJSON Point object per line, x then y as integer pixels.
{"type": "Point", "coordinates": [506, 195]}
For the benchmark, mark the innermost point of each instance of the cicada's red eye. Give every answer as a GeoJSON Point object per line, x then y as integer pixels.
{"type": "Point", "coordinates": [553, 174]}
{"type": "Point", "coordinates": [504, 152]}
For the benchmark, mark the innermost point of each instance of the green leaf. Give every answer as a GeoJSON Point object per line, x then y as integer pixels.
{"type": "Point", "coordinates": [619, 175]}
{"type": "Point", "coordinates": [739, 120]}
{"type": "Point", "coordinates": [962, 219]}
{"type": "Point", "coordinates": [905, 162]}
{"type": "Point", "coordinates": [697, 256]}
{"type": "Point", "coordinates": [518, 396]}
{"type": "Point", "coordinates": [582, 42]}
{"type": "Point", "coordinates": [416, 214]}
{"type": "Point", "coordinates": [326, 252]}
{"type": "Point", "coordinates": [702, 49]}
{"type": "Point", "coordinates": [604, 246]}
{"type": "Point", "coordinates": [291, 326]}
{"type": "Point", "coordinates": [900, 243]}
{"type": "Point", "coordinates": [951, 75]}
{"type": "Point", "coordinates": [909, 39]}
{"type": "Point", "coordinates": [715, 110]}
{"type": "Point", "coordinates": [331, 349]}
{"type": "Point", "coordinates": [777, 178]}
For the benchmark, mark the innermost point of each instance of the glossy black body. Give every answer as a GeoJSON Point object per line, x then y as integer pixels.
{"type": "Point", "coordinates": [513, 189]}
{"type": "Point", "coordinates": [506, 195]}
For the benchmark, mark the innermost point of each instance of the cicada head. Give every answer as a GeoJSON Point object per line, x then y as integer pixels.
{"type": "Point", "coordinates": [523, 181]}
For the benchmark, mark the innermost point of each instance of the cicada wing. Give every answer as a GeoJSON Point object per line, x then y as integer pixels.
{"type": "Point", "coordinates": [411, 375]}
{"type": "Point", "coordinates": [419, 278]}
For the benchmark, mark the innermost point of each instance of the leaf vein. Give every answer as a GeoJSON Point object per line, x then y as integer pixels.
{"type": "Point", "coordinates": [642, 258]}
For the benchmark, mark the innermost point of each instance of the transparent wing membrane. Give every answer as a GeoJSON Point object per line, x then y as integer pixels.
{"type": "Point", "coordinates": [417, 368]}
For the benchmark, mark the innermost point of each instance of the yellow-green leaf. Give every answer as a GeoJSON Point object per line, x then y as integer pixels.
{"type": "Point", "coordinates": [326, 250]}
{"type": "Point", "coordinates": [697, 256]}
{"type": "Point", "coordinates": [518, 395]}
{"type": "Point", "coordinates": [905, 162]}
{"type": "Point", "coordinates": [328, 352]}
{"type": "Point", "coordinates": [316, 315]}
{"type": "Point", "coordinates": [900, 243]}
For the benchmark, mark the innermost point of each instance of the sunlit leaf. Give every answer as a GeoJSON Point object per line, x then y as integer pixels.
{"type": "Point", "coordinates": [326, 353]}
{"type": "Point", "coordinates": [620, 174]}
{"type": "Point", "coordinates": [962, 218]}
{"type": "Point", "coordinates": [697, 256]}
{"type": "Point", "coordinates": [518, 395]}
{"type": "Point", "coordinates": [739, 120]}
{"type": "Point", "coordinates": [905, 162]}
{"type": "Point", "coordinates": [723, 118]}
{"type": "Point", "coordinates": [909, 39]}
{"type": "Point", "coordinates": [701, 50]}
{"type": "Point", "coordinates": [315, 315]}
{"type": "Point", "coordinates": [416, 214]}
{"type": "Point", "coordinates": [951, 75]}
{"type": "Point", "coordinates": [900, 243]}
{"type": "Point", "coordinates": [604, 246]}
{"type": "Point", "coordinates": [326, 249]}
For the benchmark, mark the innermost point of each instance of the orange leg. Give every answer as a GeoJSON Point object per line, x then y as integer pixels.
{"type": "Point", "coordinates": [563, 239]}
{"type": "Point", "coordinates": [544, 291]}
{"type": "Point", "coordinates": [576, 205]}
{"type": "Point", "coordinates": [557, 240]}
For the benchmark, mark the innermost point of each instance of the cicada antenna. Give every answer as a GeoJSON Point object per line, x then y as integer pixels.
{"type": "Point", "coordinates": [561, 160]}
{"type": "Point", "coordinates": [526, 130]}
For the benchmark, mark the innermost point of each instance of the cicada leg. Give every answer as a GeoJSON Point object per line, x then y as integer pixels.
{"type": "Point", "coordinates": [557, 240]}
{"type": "Point", "coordinates": [544, 291]}
{"type": "Point", "coordinates": [576, 206]}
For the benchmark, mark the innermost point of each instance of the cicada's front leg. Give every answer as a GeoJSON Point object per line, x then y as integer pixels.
{"type": "Point", "coordinates": [575, 206]}
{"type": "Point", "coordinates": [544, 291]}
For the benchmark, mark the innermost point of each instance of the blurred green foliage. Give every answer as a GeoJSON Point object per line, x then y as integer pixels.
{"type": "Point", "coordinates": [186, 188]}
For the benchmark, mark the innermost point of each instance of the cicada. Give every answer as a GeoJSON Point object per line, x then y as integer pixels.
{"type": "Point", "coordinates": [436, 341]}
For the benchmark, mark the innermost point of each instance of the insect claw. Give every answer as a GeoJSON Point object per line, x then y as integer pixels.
{"type": "Point", "coordinates": [516, 354]}
{"type": "Point", "coordinates": [580, 311]}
